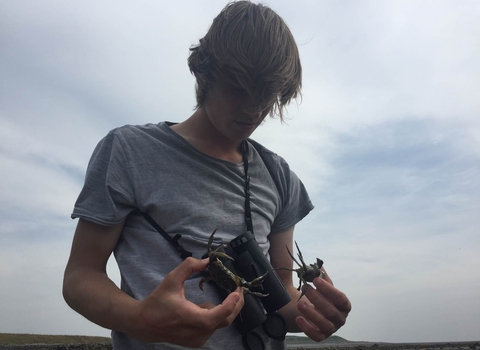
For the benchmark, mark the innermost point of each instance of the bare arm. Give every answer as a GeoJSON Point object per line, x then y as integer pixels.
{"type": "Point", "coordinates": [322, 311]}
{"type": "Point", "coordinates": [86, 286]}
{"type": "Point", "coordinates": [164, 316]}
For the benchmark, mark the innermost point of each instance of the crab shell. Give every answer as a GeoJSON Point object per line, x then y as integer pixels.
{"type": "Point", "coordinates": [312, 271]}
{"type": "Point", "coordinates": [223, 276]}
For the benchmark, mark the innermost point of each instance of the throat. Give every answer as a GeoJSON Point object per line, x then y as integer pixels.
{"type": "Point", "coordinates": [230, 152]}
{"type": "Point", "coordinates": [233, 158]}
{"type": "Point", "coordinates": [216, 151]}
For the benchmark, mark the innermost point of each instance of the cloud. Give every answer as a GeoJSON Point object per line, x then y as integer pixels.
{"type": "Point", "coordinates": [33, 268]}
{"type": "Point", "coordinates": [398, 228]}
{"type": "Point", "coordinates": [386, 140]}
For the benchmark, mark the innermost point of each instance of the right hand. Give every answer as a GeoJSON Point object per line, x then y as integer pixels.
{"type": "Point", "coordinates": [167, 316]}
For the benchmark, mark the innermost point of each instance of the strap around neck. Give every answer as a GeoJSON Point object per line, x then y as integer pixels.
{"type": "Point", "coordinates": [173, 241]}
{"type": "Point", "coordinates": [248, 211]}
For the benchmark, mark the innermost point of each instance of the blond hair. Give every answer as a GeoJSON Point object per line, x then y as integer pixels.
{"type": "Point", "coordinates": [250, 48]}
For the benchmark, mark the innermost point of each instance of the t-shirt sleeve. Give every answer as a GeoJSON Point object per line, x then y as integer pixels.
{"type": "Point", "coordinates": [296, 206]}
{"type": "Point", "coordinates": [107, 196]}
{"type": "Point", "coordinates": [294, 198]}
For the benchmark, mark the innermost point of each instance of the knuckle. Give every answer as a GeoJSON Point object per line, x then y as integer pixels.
{"type": "Point", "coordinates": [331, 314]}
{"type": "Point", "coordinates": [338, 320]}
{"type": "Point", "coordinates": [347, 305]}
{"type": "Point", "coordinates": [344, 303]}
{"type": "Point", "coordinates": [318, 337]}
{"type": "Point", "coordinates": [190, 260]}
{"type": "Point", "coordinates": [330, 329]}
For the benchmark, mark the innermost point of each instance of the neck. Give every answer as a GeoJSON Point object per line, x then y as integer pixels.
{"type": "Point", "coordinates": [200, 133]}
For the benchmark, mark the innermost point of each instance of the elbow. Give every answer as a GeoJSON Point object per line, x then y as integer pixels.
{"type": "Point", "coordinates": [68, 288]}
{"type": "Point", "coordinates": [65, 290]}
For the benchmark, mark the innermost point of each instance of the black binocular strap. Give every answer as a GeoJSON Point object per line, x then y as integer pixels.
{"type": "Point", "coordinates": [248, 211]}
{"type": "Point", "coordinates": [173, 241]}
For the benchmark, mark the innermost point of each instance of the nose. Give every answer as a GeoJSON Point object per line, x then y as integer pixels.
{"type": "Point", "coordinates": [253, 112]}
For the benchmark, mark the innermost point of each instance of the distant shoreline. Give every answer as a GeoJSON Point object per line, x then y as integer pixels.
{"type": "Point", "coordinates": [11, 341]}
{"type": "Point", "coordinates": [353, 345]}
{"type": "Point", "coordinates": [463, 345]}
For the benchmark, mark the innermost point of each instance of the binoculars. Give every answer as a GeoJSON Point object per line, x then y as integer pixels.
{"type": "Point", "coordinates": [249, 262]}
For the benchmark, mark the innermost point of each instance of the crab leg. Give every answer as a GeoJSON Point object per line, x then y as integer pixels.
{"type": "Point", "coordinates": [222, 255]}
{"type": "Point", "coordinates": [301, 256]}
{"type": "Point", "coordinates": [210, 240]}
{"type": "Point", "coordinates": [293, 258]}
{"type": "Point", "coordinates": [203, 280]}
{"type": "Point", "coordinates": [257, 281]}
{"type": "Point", "coordinates": [217, 253]}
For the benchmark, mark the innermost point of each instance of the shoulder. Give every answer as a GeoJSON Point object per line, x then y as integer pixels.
{"type": "Point", "coordinates": [142, 135]}
{"type": "Point", "coordinates": [129, 130]}
{"type": "Point", "coordinates": [130, 141]}
{"type": "Point", "coordinates": [273, 161]}
{"type": "Point", "coordinates": [294, 199]}
{"type": "Point", "coordinates": [277, 167]}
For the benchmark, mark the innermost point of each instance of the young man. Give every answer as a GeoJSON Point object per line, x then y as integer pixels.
{"type": "Point", "coordinates": [190, 178]}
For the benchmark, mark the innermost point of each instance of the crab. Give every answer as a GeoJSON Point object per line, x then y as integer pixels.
{"type": "Point", "coordinates": [225, 278]}
{"type": "Point", "coordinates": [306, 273]}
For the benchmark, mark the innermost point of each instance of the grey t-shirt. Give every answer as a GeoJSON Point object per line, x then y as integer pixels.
{"type": "Point", "coordinates": [186, 192]}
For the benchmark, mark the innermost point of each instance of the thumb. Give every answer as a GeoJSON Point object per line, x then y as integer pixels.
{"type": "Point", "coordinates": [326, 277]}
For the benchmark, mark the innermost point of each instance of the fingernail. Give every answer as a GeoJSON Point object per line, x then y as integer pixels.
{"type": "Point", "coordinates": [318, 281]}
{"type": "Point", "coordinates": [236, 298]}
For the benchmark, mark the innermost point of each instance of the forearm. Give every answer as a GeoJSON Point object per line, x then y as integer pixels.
{"type": "Point", "coordinates": [164, 316]}
{"type": "Point", "coordinates": [290, 311]}
{"type": "Point", "coordinates": [86, 287]}
{"type": "Point", "coordinates": [96, 297]}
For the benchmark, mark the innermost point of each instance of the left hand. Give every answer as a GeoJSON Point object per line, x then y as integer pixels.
{"type": "Point", "coordinates": [324, 310]}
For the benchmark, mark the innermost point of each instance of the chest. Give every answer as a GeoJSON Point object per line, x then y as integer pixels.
{"type": "Point", "coordinates": [193, 197]}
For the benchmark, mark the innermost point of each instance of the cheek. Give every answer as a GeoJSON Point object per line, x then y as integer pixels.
{"type": "Point", "coordinates": [265, 114]}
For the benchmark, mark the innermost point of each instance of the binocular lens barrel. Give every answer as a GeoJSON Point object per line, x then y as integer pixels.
{"type": "Point", "coordinates": [252, 263]}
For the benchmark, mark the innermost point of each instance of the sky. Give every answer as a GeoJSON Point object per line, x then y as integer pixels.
{"type": "Point", "coordinates": [386, 139]}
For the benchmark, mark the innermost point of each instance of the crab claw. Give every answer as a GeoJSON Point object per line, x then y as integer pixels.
{"type": "Point", "coordinates": [258, 281]}
{"type": "Point", "coordinates": [210, 240]}
{"type": "Point", "coordinates": [319, 263]}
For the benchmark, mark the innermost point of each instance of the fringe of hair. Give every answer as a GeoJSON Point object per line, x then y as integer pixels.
{"type": "Point", "coordinates": [250, 48]}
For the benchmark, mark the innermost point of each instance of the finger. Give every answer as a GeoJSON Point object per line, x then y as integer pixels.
{"type": "Point", "coordinates": [318, 319]}
{"type": "Point", "coordinates": [325, 314]}
{"type": "Point", "coordinates": [310, 330]}
{"type": "Point", "coordinates": [224, 314]}
{"type": "Point", "coordinates": [207, 317]}
{"type": "Point", "coordinates": [238, 307]}
{"type": "Point", "coordinates": [187, 268]}
{"type": "Point", "coordinates": [335, 296]}
{"type": "Point", "coordinates": [207, 306]}
{"type": "Point", "coordinates": [326, 277]}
